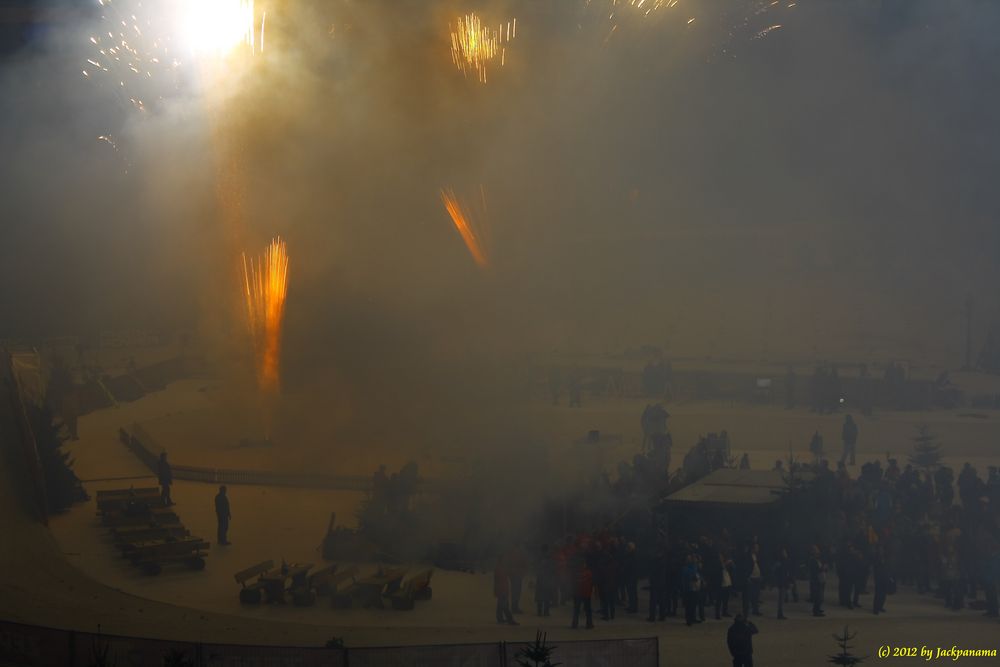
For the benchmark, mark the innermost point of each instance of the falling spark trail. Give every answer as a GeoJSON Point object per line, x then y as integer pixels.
{"type": "Point", "coordinates": [465, 226]}
{"type": "Point", "coordinates": [763, 33]}
{"type": "Point", "coordinates": [263, 20]}
{"type": "Point", "coordinates": [111, 142]}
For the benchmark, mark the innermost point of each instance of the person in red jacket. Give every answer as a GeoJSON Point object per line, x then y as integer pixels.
{"type": "Point", "coordinates": [584, 589]}
{"type": "Point", "coordinates": [501, 589]}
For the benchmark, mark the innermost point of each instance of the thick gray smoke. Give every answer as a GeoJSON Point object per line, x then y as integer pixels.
{"type": "Point", "coordinates": [823, 189]}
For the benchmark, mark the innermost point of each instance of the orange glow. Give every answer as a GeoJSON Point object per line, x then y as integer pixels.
{"type": "Point", "coordinates": [265, 286]}
{"type": "Point", "coordinates": [463, 223]}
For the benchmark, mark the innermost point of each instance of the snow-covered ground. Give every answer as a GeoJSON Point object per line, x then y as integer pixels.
{"type": "Point", "coordinates": [81, 570]}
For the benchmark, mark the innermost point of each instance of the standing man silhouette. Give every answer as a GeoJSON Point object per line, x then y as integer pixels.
{"type": "Point", "coordinates": [849, 434]}
{"type": "Point", "coordinates": [166, 477]}
{"type": "Point", "coordinates": [222, 514]}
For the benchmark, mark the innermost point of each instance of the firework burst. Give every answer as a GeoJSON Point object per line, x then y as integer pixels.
{"type": "Point", "coordinates": [216, 27]}
{"type": "Point", "coordinates": [265, 285]}
{"type": "Point", "coordinates": [138, 48]}
{"type": "Point", "coordinates": [475, 46]}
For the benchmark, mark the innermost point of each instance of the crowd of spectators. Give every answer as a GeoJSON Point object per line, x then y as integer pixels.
{"type": "Point", "coordinates": [885, 527]}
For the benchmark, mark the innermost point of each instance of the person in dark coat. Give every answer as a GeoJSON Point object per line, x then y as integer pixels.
{"type": "Point", "coordinates": [546, 582]}
{"type": "Point", "coordinates": [750, 577]}
{"type": "Point", "coordinates": [630, 578]}
{"type": "Point", "coordinates": [712, 572]}
{"type": "Point", "coordinates": [658, 587]}
{"type": "Point", "coordinates": [166, 477]}
{"type": "Point", "coordinates": [859, 576]}
{"type": "Point", "coordinates": [690, 587]}
{"type": "Point", "coordinates": [582, 593]}
{"type": "Point", "coordinates": [724, 587]}
{"type": "Point", "coordinates": [781, 575]}
{"type": "Point", "coordinates": [517, 567]}
{"type": "Point", "coordinates": [880, 570]}
{"type": "Point", "coordinates": [740, 641]}
{"type": "Point", "coordinates": [702, 589]}
{"type": "Point", "coordinates": [675, 563]}
{"type": "Point", "coordinates": [943, 479]}
{"type": "Point", "coordinates": [816, 447]}
{"type": "Point", "coordinates": [845, 575]}
{"type": "Point", "coordinates": [817, 581]}
{"type": "Point", "coordinates": [606, 578]}
{"type": "Point", "coordinates": [849, 434]}
{"type": "Point", "coordinates": [501, 590]}
{"type": "Point", "coordinates": [222, 515]}
{"type": "Point", "coordinates": [741, 576]}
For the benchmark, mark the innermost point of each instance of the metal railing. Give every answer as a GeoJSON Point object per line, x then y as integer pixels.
{"type": "Point", "coordinates": [35, 645]}
{"type": "Point", "coordinates": [142, 445]}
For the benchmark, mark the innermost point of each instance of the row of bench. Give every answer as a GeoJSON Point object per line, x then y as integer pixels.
{"type": "Point", "coordinates": [342, 584]}
{"type": "Point", "coordinates": [148, 533]}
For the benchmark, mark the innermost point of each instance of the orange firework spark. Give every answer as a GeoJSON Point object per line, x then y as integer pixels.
{"type": "Point", "coordinates": [465, 225]}
{"type": "Point", "coordinates": [474, 45]}
{"type": "Point", "coordinates": [265, 286]}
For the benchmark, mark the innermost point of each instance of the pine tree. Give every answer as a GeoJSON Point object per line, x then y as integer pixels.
{"type": "Point", "coordinates": [926, 452]}
{"type": "Point", "coordinates": [537, 654]}
{"type": "Point", "coordinates": [845, 657]}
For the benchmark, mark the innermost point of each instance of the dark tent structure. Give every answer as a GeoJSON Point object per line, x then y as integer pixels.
{"type": "Point", "coordinates": [742, 503]}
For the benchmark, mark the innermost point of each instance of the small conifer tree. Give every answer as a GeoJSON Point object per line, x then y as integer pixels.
{"type": "Point", "coordinates": [845, 657]}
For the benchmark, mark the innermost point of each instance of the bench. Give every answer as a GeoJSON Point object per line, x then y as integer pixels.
{"type": "Point", "coordinates": [417, 587]}
{"type": "Point", "coordinates": [394, 578]}
{"type": "Point", "coordinates": [128, 536]}
{"type": "Point", "coordinates": [251, 594]}
{"type": "Point", "coordinates": [344, 587]}
{"type": "Point", "coordinates": [125, 493]}
{"type": "Point", "coordinates": [273, 581]}
{"type": "Point", "coordinates": [118, 500]}
{"type": "Point", "coordinates": [368, 591]}
{"type": "Point", "coordinates": [305, 589]}
{"type": "Point", "coordinates": [157, 516]}
{"type": "Point", "coordinates": [151, 555]}
{"type": "Point", "coordinates": [122, 504]}
{"type": "Point", "coordinates": [136, 533]}
{"type": "Point", "coordinates": [319, 579]}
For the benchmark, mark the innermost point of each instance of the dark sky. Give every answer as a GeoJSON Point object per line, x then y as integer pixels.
{"type": "Point", "coordinates": [825, 189]}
